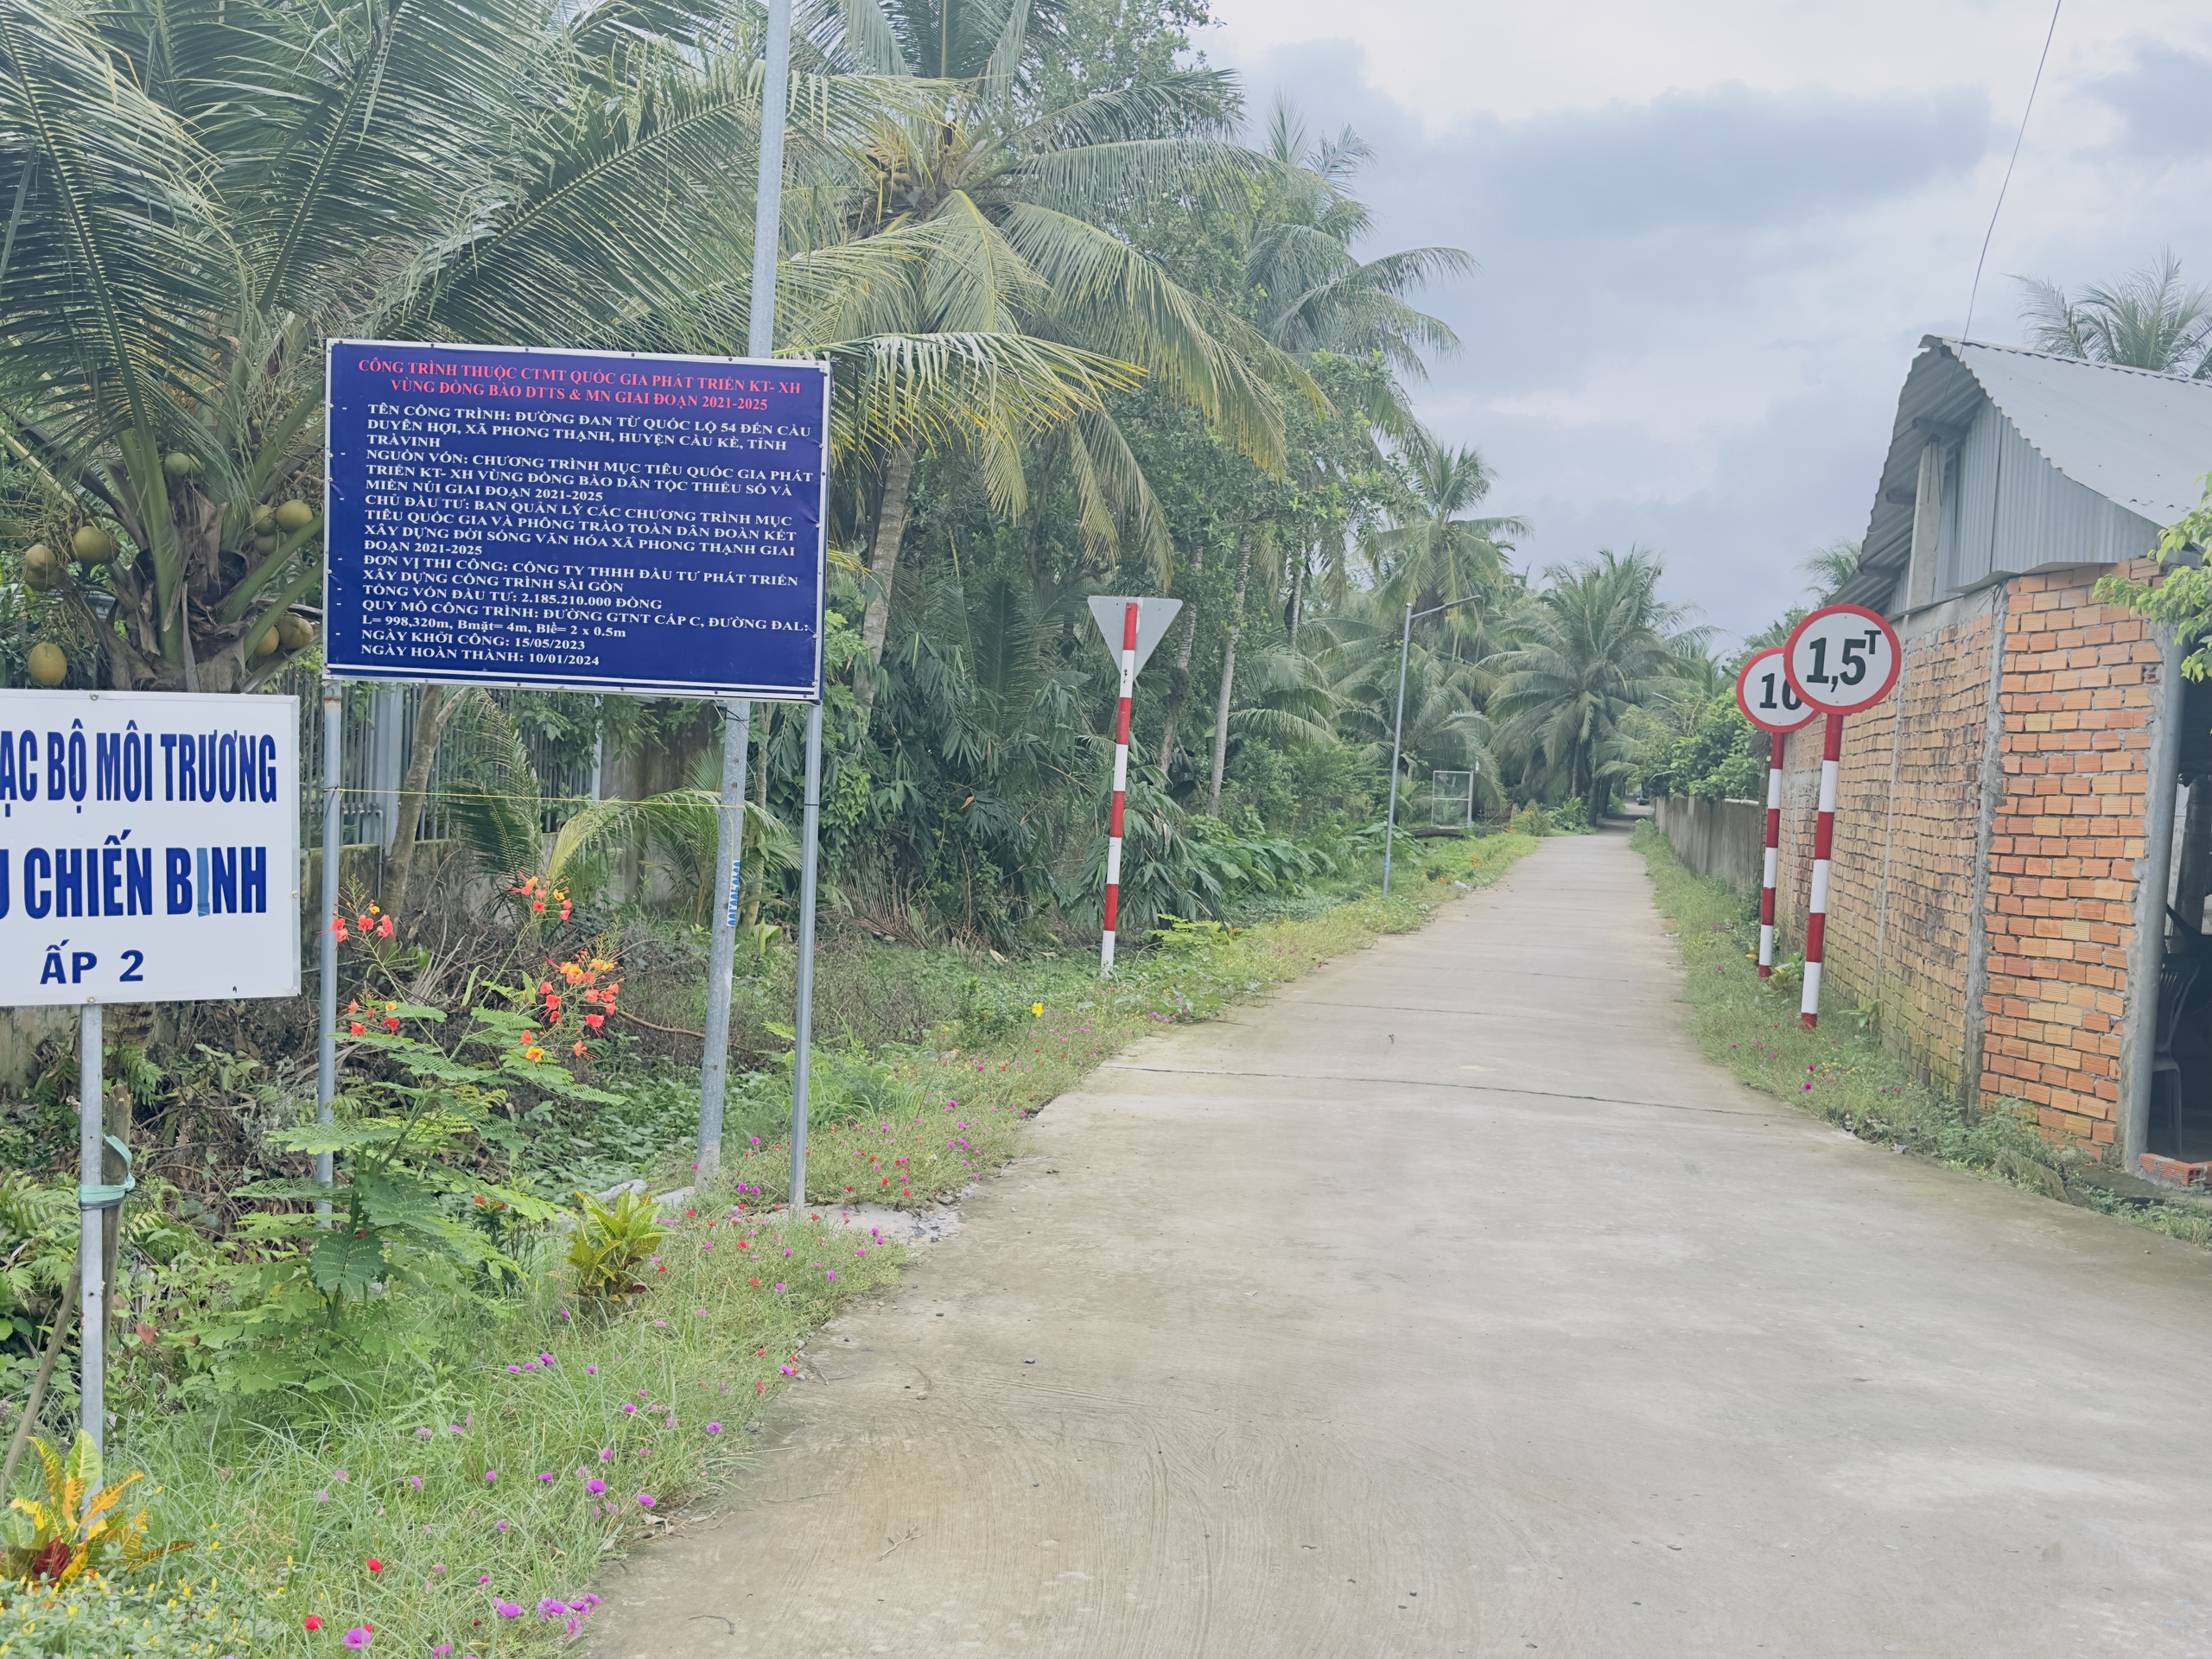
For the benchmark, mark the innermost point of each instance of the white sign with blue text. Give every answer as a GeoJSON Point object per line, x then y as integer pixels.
{"type": "Point", "coordinates": [150, 847]}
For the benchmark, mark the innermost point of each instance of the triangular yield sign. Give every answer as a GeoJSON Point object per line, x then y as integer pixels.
{"type": "Point", "coordinates": [1154, 617]}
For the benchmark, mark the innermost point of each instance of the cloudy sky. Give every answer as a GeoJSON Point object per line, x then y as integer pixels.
{"type": "Point", "coordinates": [1712, 234]}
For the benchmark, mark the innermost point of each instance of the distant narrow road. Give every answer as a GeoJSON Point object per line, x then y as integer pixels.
{"type": "Point", "coordinates": [1448, 1303]}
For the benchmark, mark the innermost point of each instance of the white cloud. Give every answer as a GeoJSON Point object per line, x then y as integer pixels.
{"type": "Point", "coordinates": [1711, 243]}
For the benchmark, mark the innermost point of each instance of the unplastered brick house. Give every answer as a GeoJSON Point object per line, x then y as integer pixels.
{"type": "Point", "coordinates": [2020, 860]}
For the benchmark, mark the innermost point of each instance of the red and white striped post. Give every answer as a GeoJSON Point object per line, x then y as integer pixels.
{"type": "Point", "coordinates": [1840, 659]}
{"type": "Point", "coordinates": [1765, 697]}
{"type": "Point", "coordinates": [1121, 790]}
{"type": "Point", "coordinates": [1773, 856]}
{"type": "Point", "coordinates": [1817, 921]}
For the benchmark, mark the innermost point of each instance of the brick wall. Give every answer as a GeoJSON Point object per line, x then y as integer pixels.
{"type": "Point", "coordinates": [2076, 699]}
{"type": "Point", "coordinates": [2080, 690]}
{"type": "Point", "coordinates": [1909, 803]}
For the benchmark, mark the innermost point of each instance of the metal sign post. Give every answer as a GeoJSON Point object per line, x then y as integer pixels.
{"type": "Point", "coordinates": [803, 1015]}
{"type": "Point", "coordinates": [149, 850]}
{"type": "Point", "coordinates": [92, 1227]}
{"type": "Point", "coordinates": [1131, 628]}
{"type": "Point", "coordinates": [721, 945]}
{"type": "Point", "coordinates": [1765, 698]}
{"type": "Point", "coordinates": [334, 847]}
{"type": "Point", "coordinates": [1838, 660]}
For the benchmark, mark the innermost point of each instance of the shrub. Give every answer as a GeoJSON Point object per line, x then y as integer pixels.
{"type": "Point", "coordinates": [612, 1242]}
{"type": "Point", "coordinates": [1533, 820]}
{"type": "Point", "coordinates": [69, 1531]}
{"type": "Point", "coordinates": [98, 1617]}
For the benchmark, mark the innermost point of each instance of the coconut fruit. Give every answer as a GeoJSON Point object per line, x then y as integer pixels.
{"type": "Point", "coordinates": [92, 545]}
{"type": "Point", "coordinates": [293, 631]}
{"type": "Point", "coordinates": [265, 545]}
{"type": "Point", "coordinates": [47, 663]}
{"type": "Point", "coordinates": [295, 514]}
{"type": "Point", "coordinates": [41, 567]}
{"type": "Point", "coordinates": [262, 515]}
{"type": "Point", "coordinates": [179, 465]}
{"type": "Point", "coordinates": [265, 645]}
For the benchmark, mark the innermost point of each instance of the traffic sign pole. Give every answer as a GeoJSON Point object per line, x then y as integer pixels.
{"type": "Point", "coordinates": [1773, 859]}
{"type": "Point", "coordinates": [1121, 791]}
{"type": "Point", "coordinates": [1840, 659]}
{"type": "Point", "coordinates": [1767, 699]}
{"type": "Point", "coordinates": [1816, 922]}
{"type": "Point", "coordinates": [1132, 629]}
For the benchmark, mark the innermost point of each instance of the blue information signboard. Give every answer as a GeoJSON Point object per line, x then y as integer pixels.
{"type": "Point", "coordinates": [500, 515]}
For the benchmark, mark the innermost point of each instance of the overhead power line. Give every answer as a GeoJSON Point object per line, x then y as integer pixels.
{"type": "Point", "coordinates": [1975, 292]}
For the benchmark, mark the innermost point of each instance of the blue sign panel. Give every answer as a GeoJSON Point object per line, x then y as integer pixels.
{"type": "Point", "coordinates": [606, 521]}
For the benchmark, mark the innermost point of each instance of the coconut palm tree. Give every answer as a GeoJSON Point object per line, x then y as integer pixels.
{"type": "Point", "coordinates": [1436, 551]}
{"type": "Point", "coordinates": [1445, 724]}
{"type": "Point", "coordinates": [1832, 566]}
{"type": "Point", "coordinates": [980, 212]}
{"type": "Point", "coordinates": [1595, 643]}
{"type": "Point", "coordinates": [2148, 320]}
{"type": "Point", "coordinates": [197, 194]}
{"type": "Point", "coordinates": [1313, 293]}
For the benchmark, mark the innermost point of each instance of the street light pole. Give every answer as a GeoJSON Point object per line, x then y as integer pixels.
{"type": "Point", "coordinates": [1397, 738]}
{"type": "Point", "coordinates": [1398, 730]}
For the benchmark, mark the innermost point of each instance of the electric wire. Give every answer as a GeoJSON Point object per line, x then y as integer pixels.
{"type": "Point", "coordinates": [1974, 293]}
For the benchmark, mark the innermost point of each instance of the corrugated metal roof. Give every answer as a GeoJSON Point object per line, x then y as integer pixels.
{"type": "Point", "coordinates": [2139, 440]}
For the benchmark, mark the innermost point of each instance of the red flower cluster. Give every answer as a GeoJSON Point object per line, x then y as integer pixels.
{"type": "Point", "coordinates": [575, 998]}
{"type": "Point", "coordinates": [374, 925]}
{"type": "Point", "coordinates": [540, 896]}
{"type": "Point", "coordinates": [389, 1018]}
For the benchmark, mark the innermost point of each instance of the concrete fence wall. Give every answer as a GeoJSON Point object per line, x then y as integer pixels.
{"type": "Point", "coordinates": [1724, 839]}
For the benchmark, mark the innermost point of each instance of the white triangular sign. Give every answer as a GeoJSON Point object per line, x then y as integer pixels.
{"type": "Point", "coordinates": [1154, 617]}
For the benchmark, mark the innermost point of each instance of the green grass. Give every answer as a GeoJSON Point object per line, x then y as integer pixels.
{"type": "Point", "coordinates": [1843, 1074]}
{"type": "Point", "coordinates": [288, 1507]}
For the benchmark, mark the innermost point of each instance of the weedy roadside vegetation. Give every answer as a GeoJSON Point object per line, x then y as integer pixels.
{"type": "Point", "coordinates": [451, 1417]}
{"type": "Point", "coordinates": [1840, 1071]}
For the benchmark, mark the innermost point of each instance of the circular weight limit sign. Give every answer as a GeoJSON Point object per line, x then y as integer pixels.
{"type": "Point", "coordinates": [1766, 697]}
{"type": "Point", "coordinates": [1842, 658]}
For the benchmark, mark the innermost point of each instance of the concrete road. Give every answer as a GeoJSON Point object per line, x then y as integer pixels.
{"type": "Point", "coordinates": [1448, 1303]}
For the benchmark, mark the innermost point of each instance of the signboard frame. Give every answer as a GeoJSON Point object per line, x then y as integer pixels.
{"type": "Point", "coordinates": [588, 685]}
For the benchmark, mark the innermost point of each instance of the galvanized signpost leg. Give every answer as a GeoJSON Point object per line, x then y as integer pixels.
{"type": "Point", "coordinates": [325, 1071]}
{"type": "Point", "coordinates": [803, 1020]}
{"type": "Point", "coordinates": [767, 212]}
{"type": "Point", "coordinates": [729, 854]}
{"type": "Point", "coordinates": [93, 1386]}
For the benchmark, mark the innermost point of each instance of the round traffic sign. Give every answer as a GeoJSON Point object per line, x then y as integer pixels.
{"type": "Point", "coordinates": [1765, 696]}
{"type": "Point", "coordinates": [1842, 658]}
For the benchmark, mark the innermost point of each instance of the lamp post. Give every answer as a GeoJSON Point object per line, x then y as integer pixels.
{"type": "Point", "coordinates": [1398, 730]}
